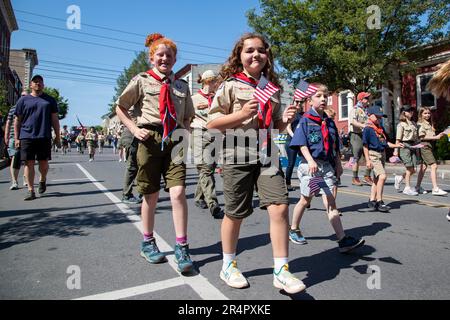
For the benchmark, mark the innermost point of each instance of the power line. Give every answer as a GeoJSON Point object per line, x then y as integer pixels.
{"type": "Point", "coordinates": [77, 74]}
{"type": "Point", "coordinates": [64, 68]}
{"type": "Point", "coordinates": [98, 44]}
{"type": "Point", "coordinates": [115, 39]}
{"type": "Point", "coordinates": [80, 66]}
{"type": "Point", "coordinates": [120, 31]}
{"type": "Point", "coordinates": [79, 80]}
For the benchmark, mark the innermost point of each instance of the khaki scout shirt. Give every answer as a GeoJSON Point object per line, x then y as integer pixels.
{"type": "Point", "coordinates": [143, 93]}
{"type": "Point", "coordinates": [406, 131]}
{"type": "Point", "coordinates": [425, 130]}
{"type": "Point", "coordinates": [359, 115]}
{"type": "Point", "coordinates": [201, 111]}
{"type": "Point", "coordinates": [232, 96]}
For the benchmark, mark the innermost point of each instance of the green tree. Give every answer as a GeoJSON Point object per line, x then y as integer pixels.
{"type": "Point", "coordinates": [336, 42]}
{"type": "Point", "coordinates": [139, 64]}
{"type": "Point", "coordinates": [63, 103]}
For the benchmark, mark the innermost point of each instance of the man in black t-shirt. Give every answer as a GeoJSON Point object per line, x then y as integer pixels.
{"type": "Point", "coordinates": [36, 114]}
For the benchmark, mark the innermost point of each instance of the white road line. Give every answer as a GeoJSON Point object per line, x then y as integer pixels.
{"type": "Point", "coordinates": [135, 291]}
{"type": "Point", "coordinates": [198, 283]}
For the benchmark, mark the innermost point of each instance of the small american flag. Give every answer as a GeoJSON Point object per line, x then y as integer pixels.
{"type": "Point", "coordinates": [315, 184]}
{"type": "Point", "coordinates": [264, 90]}
{"type": "Point", "coordinates": [304, 89]}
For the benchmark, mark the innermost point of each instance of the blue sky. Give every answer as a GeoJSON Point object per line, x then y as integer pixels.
{"type": "Point", "coordinates": [193, 25]}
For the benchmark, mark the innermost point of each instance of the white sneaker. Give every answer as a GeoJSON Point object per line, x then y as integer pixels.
{"type": "Point", "coordinates": [438, 192]}
{"type": "Point", "coordinates": [120, 160]}
{"type": "Point", "coordinates": [397, 181]}
{"type": "Point", "coordinates": [14, 186]}
{"type": "Point", "coordinates": [287, 281]}
{"type": "Point", "coordinates": [410, 192]}
{"type": "Point", "coordinates": [448, 216]}
{"type": "Point", "coordinates": [233, 277]}
{"type": "Point", "coordinates": [421, 190]}
{"type": "Point", "coordinates": [90, 160]}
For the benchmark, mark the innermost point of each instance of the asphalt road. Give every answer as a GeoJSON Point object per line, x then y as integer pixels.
{"type": "Point", "coordinates": [78, 241]}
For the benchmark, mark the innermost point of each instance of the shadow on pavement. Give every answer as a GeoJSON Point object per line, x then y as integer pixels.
{"type": "Point", "coordinates": [42, 224]}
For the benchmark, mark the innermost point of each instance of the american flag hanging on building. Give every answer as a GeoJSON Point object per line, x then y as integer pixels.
{"type": "Point", "coordinates": [315, 184]}
{"type": "Point", "coordinates": [264, 90]}
{"type": "Point", "coordinates": [304, 90]}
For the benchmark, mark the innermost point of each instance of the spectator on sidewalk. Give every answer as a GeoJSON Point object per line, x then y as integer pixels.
{"type": "Point", "coordinates": [14, 153]}
{"type": "Point", "coordinates": [36, 114]}
{"type": "Point", "coordinates": [359, 118]}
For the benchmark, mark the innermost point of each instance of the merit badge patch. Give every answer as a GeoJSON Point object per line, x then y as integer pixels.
{"type": "Point", "coordinates": [314, 137]}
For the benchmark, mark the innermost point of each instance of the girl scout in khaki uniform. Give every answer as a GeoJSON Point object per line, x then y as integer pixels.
{"type": "Point", "coordinates": [235, 108]}
{"type": "Point", "coordinates": [427, 135]}
{"type": "Point", "coordinates": [205, 193]}
{"type": "Point", "coordinates": [162, 105]}
{"type": "Point", "coordinates": [407, 134]}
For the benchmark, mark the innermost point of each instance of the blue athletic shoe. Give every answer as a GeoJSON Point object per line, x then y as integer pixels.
{"type": "Point", "coordinates": [182, 258]}
{"type": "Point", "coordinates": [296, 237]}
{"type": "Point", "coordinates": [151, 253]}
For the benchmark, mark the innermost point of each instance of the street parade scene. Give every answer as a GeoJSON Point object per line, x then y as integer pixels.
{"type": "Point", "coordinates": [244, 152]}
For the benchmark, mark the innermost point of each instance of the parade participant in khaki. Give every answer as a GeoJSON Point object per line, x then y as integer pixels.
{"type": "Point", "coordinates": [91, 139]}
{"type": "Point", "coordinates": [205, 193]}
{"type": "Point", "coordinates": [358, 122]}
{"type": "Point", "coordinates": [407, 134]}
{"type": "Point", "coordinates": [234, 107]}
{"type": "Point", "coordinates": [428, 136]}
{"type": "Point", "coordinates": [163, 104]}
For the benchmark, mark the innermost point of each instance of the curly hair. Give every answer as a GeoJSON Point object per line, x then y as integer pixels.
{"type": "Point", "coordinates": [234, 63]}
{"type": "Point", "coordinates": [439, 85]}
{"type": "Point", "coordinates": [155, 39]}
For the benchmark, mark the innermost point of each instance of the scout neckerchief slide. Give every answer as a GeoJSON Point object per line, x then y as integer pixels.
{"type": "Point", "coordinates": [323, 128]}
{"type": "Point", "coordinates": [167, 112]}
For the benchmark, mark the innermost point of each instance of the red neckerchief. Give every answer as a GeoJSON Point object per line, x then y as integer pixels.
{"type": "Point", "coordinates": [167, 110]}
{"type": "Point", "coordinates": [209, 96]}
{"type": "Point", "coordinates": [323, 128]}
{"type": "Point", "coordinates": [378, 130]}
{"type": "Point", "coordinates": [265, 115]}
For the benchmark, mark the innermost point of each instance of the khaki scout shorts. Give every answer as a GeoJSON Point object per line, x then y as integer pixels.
{"type": "Point", "coordinates": [427, 154]}
{"type": "Point", "coordinates": [239, 181]}
{"type": "Point", "coordinates": [356, 144]}
{"type": "Point", "coordinates": [378, 160]}
{"type": "Point", "coordinates": [410, 157]}
{"type": "Point", "coordinates": [154, 162]}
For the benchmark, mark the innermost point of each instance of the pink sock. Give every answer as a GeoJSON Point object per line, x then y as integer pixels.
{"type": "Point", "coordinates": [148, 236]}
{"type": "Point", "coordinates": [181, 240]}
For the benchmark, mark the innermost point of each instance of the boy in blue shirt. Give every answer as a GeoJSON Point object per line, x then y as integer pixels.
{"type": "Point", "coordinates": [374, 145]}
{"type": "Point", "coordinates": [317, 138]}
